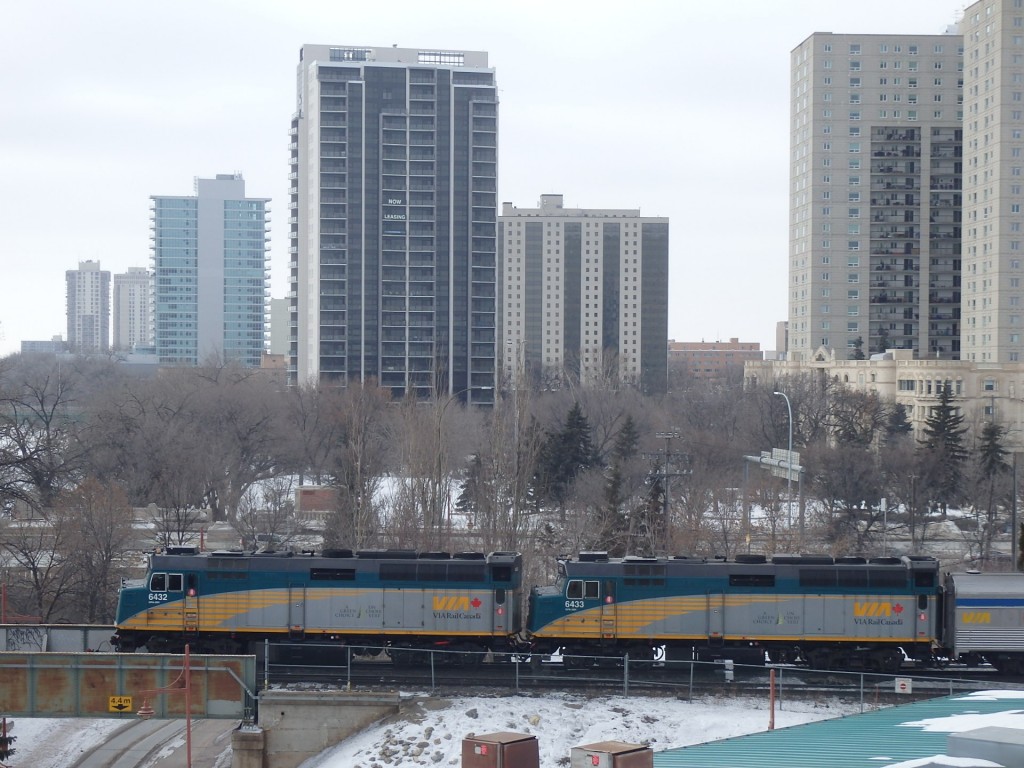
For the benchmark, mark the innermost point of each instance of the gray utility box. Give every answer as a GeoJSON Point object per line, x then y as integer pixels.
{"type": "Point", "coordinates": [501, 750]}
{"type": "Point", "coordinates": [1004, 746]}
{"type": "Point", "coordinates": [612, 754]}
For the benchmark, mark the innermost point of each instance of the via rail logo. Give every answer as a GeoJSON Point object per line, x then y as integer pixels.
{"type": "Point", "coordinates": [456, 607]}
{"type": "Point", "coordinates": [878, 612]}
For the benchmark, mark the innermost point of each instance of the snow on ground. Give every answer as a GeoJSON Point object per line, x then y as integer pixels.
{"type": "Point", "coordinates": [430, 730]}
{"type": "Point", "coordinates": [56, 743]}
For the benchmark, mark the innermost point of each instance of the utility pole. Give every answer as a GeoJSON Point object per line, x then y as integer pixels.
{"type": "Point", "coordinates": [668, 436]}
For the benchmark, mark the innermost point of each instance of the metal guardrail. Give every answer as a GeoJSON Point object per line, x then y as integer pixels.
{"type": "Point", "coordinates": [436, 669]}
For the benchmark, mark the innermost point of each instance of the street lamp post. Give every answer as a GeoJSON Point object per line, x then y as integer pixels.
{"type": "Point", "coordinates": [185, 677]}
{"type": "Point", "coordinates": [789, 459]}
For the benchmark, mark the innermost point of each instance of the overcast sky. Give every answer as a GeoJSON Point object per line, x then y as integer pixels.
{"type": "Point", "coordinates": [676, 107]}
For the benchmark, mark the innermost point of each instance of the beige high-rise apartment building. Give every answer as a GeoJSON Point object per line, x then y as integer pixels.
{"type": "Point", "coordinates": [875, 195]}
{"type": "Point", "coordinates": [993, 308]}
{"type": "Point", "coordinates": [88, 306]}
{"type": "Point", "coordinates": [584, 294]}
{"type": "Point", "coordinates": [133, 309]}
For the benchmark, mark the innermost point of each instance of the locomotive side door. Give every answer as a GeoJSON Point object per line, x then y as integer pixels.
{"type": "Point", "coordinates": [296, 610]}
{"type": "Point", "coordinates": [191, 613]}
{"type": "Point", "coordinates": [609, 625]}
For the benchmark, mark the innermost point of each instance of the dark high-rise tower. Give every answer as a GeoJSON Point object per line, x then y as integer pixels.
{"type": "Point", "coordinates": [393, 219]}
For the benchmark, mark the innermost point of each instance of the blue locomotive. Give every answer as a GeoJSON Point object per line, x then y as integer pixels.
{"type": "Point", "coordinates": [222, 602]}
{"type": "Point", "coordinates": [829, 613]}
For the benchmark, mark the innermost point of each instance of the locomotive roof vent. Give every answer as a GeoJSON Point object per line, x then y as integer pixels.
{"type": "Point", "coordinates": [182, 550]}
{"type": "Point", "coordinates": [750, 558]}
{"type": "Point", "coordinates": [593, 557]}
{"type": "Point", "coordinates": [227, 553]}
{"type": "Point", "coordinates": [435, 556]}
{"type": "Point", "coordinates": [885, 561]}
{"type": "Point", "coordinates": [851, 560]}
{"type": "Point", "coordinates": [387, 554]}
{"type": "Point", "coordinates": [470, 556]}
{"type": "Point", "coordinates": [336, 553]}
{"type": "Point", "coordinates": [803, 559]}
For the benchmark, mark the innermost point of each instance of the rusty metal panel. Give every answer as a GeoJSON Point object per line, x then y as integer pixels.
{"type": "Point", "coordinates": [94, 684]}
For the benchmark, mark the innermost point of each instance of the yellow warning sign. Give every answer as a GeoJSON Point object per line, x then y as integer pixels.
{"type": "Point", "coordinates": [119, 704]}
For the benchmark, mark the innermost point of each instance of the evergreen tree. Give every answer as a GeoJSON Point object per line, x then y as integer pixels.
{"type": "Point", "coordinates": [563, 456]}
{"type": "Point", "coordinates": [991, 453]}
{"type": "Point", "coordinates": [943, 449]}
{"type": "Point", "coordinates": [897, 423]}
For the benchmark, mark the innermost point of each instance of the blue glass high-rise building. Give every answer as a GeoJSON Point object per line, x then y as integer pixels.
{"type": "Point", "coordinates": [393, 220]}
{"type": "Point", "coordinates": [210, 274]}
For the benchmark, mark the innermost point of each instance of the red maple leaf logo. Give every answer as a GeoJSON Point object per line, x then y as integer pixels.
{"type": "Point", "coordinates": [897, 609]}
{"type": "Point", "coordinates": [475, 602]}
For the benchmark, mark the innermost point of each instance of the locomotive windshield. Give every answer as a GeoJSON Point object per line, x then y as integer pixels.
{"type": "Point", "coordinates": [583, 589]}
{"type": "Point", "coordinates": [165, 582]}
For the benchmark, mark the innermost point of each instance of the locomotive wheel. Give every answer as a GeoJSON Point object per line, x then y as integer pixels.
{"type": "Point", "coordinates": [781, 655]}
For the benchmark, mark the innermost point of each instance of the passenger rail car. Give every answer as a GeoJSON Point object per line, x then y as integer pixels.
{"type": "Point", "coordinates": [222, 602]}
{"type": "Point", "coordinates": [984, 619]}
{"type": "Point", "coordinates": [825, 612]}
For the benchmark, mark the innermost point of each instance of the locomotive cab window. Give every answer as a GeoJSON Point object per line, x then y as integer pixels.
{"type": "Point", "coordinates": [583, 589]}
{"type": "Point", "coordinates": [165, 582]}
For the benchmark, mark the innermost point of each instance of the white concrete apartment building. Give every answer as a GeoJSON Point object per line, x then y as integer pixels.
{"type": "Point", "coordinates": [993, 33]}
{"type": "Point", "coordinates": [876, 135]}
{"type": "Point", "coordinates": [584, 294]}
{"type": "Point", "coordinates": [133, 309]}
{"type": "Point", "coordinates": [988, 379]}
{"type": "Point", "coordinates": [88, 308]}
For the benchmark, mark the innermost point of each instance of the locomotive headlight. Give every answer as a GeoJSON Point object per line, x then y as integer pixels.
{"type": "Point", "coordinates": [501, 611]}
{"type": "Point", "coordinates": [608, 599]}
{"type": "Point", "coordinates": [191, 591]}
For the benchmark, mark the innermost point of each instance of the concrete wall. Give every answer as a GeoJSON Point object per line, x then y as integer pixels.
{"type": "Point", "coordinates": [298, 725]}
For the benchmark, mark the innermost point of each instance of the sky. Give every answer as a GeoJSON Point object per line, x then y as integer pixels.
{"type": "Point", "coordinates": [430, 730]}
{"type": "Point", "coordinates": [677, 108]}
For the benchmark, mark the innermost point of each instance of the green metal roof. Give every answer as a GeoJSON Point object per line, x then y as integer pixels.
{"type": "Point", "coordinates": [871, 740]}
